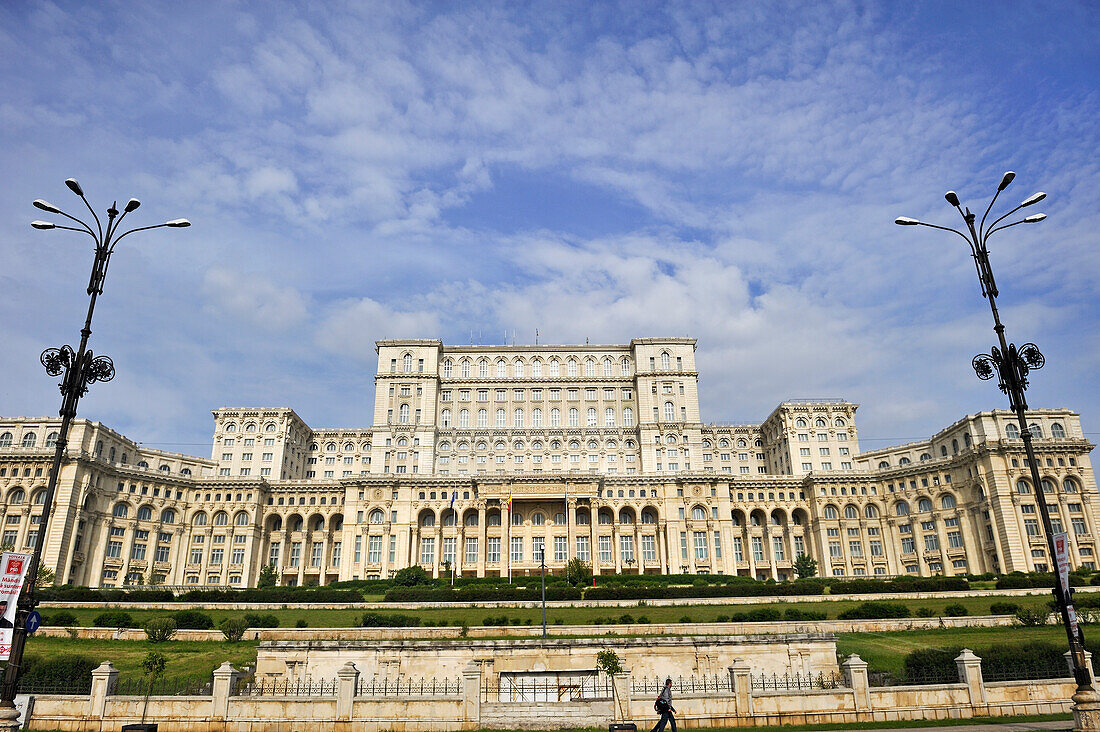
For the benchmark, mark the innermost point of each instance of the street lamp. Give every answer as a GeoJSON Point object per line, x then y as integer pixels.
{"type": "Point", "coordinates": [1012, 364]}
{"type": "Point", "coordinates": [78, 370]}
{"type": "Point", "coordinates": [542, 566]}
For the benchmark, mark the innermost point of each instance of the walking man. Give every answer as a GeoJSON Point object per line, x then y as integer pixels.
{"type": "Point", "coordinates": [664, 707]}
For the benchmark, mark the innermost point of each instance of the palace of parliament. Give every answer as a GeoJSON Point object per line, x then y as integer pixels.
{"type": "Point", "coordinates": [485, 460]}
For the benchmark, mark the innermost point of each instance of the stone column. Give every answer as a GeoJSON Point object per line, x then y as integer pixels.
{"type": "Point", "coordinates": [1086, 711]}
{"type": "Point", "coordinates": [483, 539]}
{"type": "Point", "coordinates": [620, 691]}
{"type": "Point", "coordinates": [970, 673]}
{"type": "Point", "coordinates": [103, 678]}
{"type": "Point", "coordinates": [224, 676]}
{"type": "Point", "coordinates": [347, 681]}
{"type": "Point", "coordinates": [1088, 662]}
{"type": "Point", "coordinates": [593, 542]}
{"type": "Point", "coordinates": [471, 693]}
{"type": "Point", "coordinates": [855, 676]}
{"type": "Point", "coordinates": [742, 687]}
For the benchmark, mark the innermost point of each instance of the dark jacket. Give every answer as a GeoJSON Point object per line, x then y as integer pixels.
{"type": "Point", "coordinates": [665, 698]}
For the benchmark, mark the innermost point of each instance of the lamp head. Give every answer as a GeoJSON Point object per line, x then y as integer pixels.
{"type": "Point", "coordinates": [905, 221]}
{"type": "Point", "coordinates": [1005, 180]}
{"type": "Point", "coordinates": [74, 187]}
{"type": "Point", "coordinates": [43, 225]}
{"type": "Point", "coordinates": [178, 223]}
{"type": "Point", "coordinates": [952, 198]}
{"type": "Point", "coordinates": [132, 205]}
{"type": "Point", "coordinates": [1035, 218]}
{"type": "Point", "coordinates": [46, 206]}
{"type": "Point", "coordinates": [1033, 199]}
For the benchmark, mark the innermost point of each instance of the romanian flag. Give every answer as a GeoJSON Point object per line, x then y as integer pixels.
{"type": "Point", "coordinates": [509, 504]}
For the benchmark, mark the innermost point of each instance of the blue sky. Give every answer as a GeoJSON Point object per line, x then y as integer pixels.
{"type": "Point", "coordinates": [729, 171]}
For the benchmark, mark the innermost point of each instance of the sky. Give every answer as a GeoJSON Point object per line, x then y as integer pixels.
{"type": "Point", "coordinates": [596, 171]}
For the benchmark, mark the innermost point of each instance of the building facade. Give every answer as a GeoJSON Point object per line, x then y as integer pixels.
{"type": "Point", "coordinates": [487, 460]}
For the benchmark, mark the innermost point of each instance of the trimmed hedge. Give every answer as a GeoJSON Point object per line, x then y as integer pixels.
{"type": "Point", "coordinates": [68, 670]}
{"type": "Point", "coordinates": [875, 611]}
{"type": "Point", "coordinates": [476, 593]}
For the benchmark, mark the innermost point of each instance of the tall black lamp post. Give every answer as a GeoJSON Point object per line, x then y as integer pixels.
{"type": "Point", "coordinates": [78, 369]}
{"type": "Point", "coordinates": [1012, 364]}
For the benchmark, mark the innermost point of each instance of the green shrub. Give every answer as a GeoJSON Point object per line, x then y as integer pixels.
{"type": "Point", "coordinates": [61, 619]}
{"type": "Point", "coordinates": [193, 620]}
{"type": "Point", "coordinates": [686, 619]}
{"type": "Point", "coordinates": [793, 613]}
{"type": "Point", "coordinates": [395, 620]}
{"type": "Point", "coordinates": [301, 624]}
{"type": "Point", "coordinates": [1003, 608]}
{"type": "Point", "coordinates": [159, 630]}
{"type": "Point", "coordinates": [67, 670]}
{"type": "Point", "coordinates": [641, 620]}
{"type": "Point", "coordinates": [722, 619]}
{"type": "Point", "coordinates": [233, 628]}
{"type": "Point", "coordinates": [626, 619]}
{"type": "Point", "coordinates": [113, 619]}
{"type": "Point", "coordinates": [955, 610]}
{"type": "Point", "coordinates": [412, 576]}
{"type": "Point", "coordinates": [256, 620]}
{"type": "Point", "coordinates": [925, 612]}
{"type": "Point", "coordinates": [875, 611]}
{"type": "Point", "coordinates": [1032, 618]}
{"type": "Point", "coordinates": [931, 663]}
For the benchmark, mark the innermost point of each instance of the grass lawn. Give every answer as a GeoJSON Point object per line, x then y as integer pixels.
{"type": "Point", "coordinates": [886, 651]}
{"type": "Point", "coordinates": [1068, 718]}
{"type": "Point", "coordinates": [186, 659]}
{"type": "Point", "coordinates": [473, 615]}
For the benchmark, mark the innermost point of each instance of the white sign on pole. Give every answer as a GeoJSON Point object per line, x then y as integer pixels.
{"type": "Point", "coordinates": [14, 570]}
{"type": "Point", "coordinates": [1061, 559]}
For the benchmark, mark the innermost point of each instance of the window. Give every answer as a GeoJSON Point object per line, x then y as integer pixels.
{"type": "Point", "coordinates": [582, 548]}
{"type": "Point", "coordinates": [574, 417]}
{"type": "Point", "coordinates": [831, 512]}
{"type": "Point", "coordinates": [1056, 430]}
{"type": "Point", "coordinates": [492, 550]}
{"type": "Point", "coordinates": [670, 411]}
{"type": "Point", "coordinates": [517, 548]}
{"type": "Point", "coordinates": [427, 550]}
{"type": "Point", "coordinates": [605, 550]}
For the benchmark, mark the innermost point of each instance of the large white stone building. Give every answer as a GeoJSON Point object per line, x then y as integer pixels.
{"type": "Point", "coordinates": [482, 458]}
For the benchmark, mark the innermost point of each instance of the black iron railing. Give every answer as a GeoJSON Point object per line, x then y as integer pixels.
{"type": "Point", "coordinates": [409, 687]}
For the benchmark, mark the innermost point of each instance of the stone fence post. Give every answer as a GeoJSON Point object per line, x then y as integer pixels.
{"type": "Point", "coordinates": [103, 678]}
{"type": "Point", "coordinates": [471, 693]}
{"type": "Point", "coordinates": [855, 676]}
{"type": "Point", "coordinates": [621, 687]}
{"type": "Point", "coordinates": [224, 678]}
{"type": "Point", "coordinates": [741, 684]}
{"type": "Point", "coordinates": [347, 683]}
{"type": "Point", "coordinates": [970, 673]}
{"type": "Point", "coordinates": [1088, 662]}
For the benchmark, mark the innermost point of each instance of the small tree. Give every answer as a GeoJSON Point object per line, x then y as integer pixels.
{"type": "Point", "coordinates": [46, 576]}
{"type": "Point", "coordinates": [609, 662]}
{"type": "Point", "coordinates": [578, 573]}
{"type": "Point", "coordinates": [153, 665]}
{"type": "Point", "coordinates": [233, 628]}
{"type": "Point", "coordinates": [267, 577]}
{"type": "Point", "coordinates": [411, 576]}
{"type": "Point", "coordinates": [160, 630]}
{"type": "Point", "coordinates": [805, 567]}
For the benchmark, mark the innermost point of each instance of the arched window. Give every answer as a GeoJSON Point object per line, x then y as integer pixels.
{"type": "Point", "coordinates": [536, 417]}
{"type": "Point", "coordinates": [698, 514]}
{"type": "Point", "coordinates": [517, 369]}
{"type": "Point", "coordinates": [1069, 485]}
{"type": "Point", "coordinates": [626, 516]}
{"type": "Point", "coordinates": [901, 508]}
{"type": "Point", "coordinates": [591, 419]}
{"type": "Point", "coordinates": [493, 519]}
{"type": "Point", "coordinates": [839, 422]}
{"type": "Point", "coordinates": [947, 501]}
{"type": "Point", "coordinates": [883, 464]}
{"type": "Point", "coordinates": [801, 423]}
{"type": "Point", "coordinates": [1036, 431]}
{"type": "Point", "coordinates": [471, 519]}
{"type": "Point", "coordinates": [482, 418]}
{"type": "Point", "coordinates": [296, 523]}
{"type": "Point", "coordinates": [604, 517]}
{"type": "Point", "coordinates": [649, 517]}
{"type": "Point", "coordinates": [924, 505]}
{"type": "Point", "coordinates": [221, 518]}
{"type": "Point", "coordinates": [403, 414]}
{"type": "Point", "coordinates": [39, 498]}
{"type": "Point", "coordinates": [445, 418]}
{"type": "Point", "coordinates": [574, 417]}
{"type": "Point", "coordinates": [463, 418]}
{"type": "Point", "coordinates": [517, 418]}
{"type": "Point", "coordinates": [628, 417]}
{"type": "Point", "coordinates": [376, 516]}
{"type": "Point", "coordinates": [1047, 486]}
{"type": "Point", "coordinates": [51, 441]}
{"type": "Point", "coordinates": [164, 469]}
{"type": "Point", "coordinates": [954, 447]}
{"type": "Point", "coordinates": [925, 456]}
{"type": "Point", "coordinates": [269, 427]}
{"type": "Point", "coordinates": [555, 368]}
{"type": "Point", "coordinates": [502, 368]}
{"type": "Point", "coordinates": [589, 367]}
{"type": "Point", "coordinates": [819, 422]}
{"type": "Point", "coordinates": [121, 510]}
{"type": "Point", "coordinates": [966, 439]}
{"type": "Point", "coordinates": [168, 516]}
{"type": "Point", "coordinates": [502, 418]}
{"type": "Point", "coordinates": [5, 439]}
{"type": "Point", "coordinates": [427, 519]}
{"type": "Point", "coordinates": [666, 362]}
{"type": "Point", "coordinates": [448, 367]}
{"type": "Point", "coordinates": [851, 512]}
{"type": "Point", "coordinates": [1022, 486]}
{"type": "Point", "coordinates": [1056, 430]}
{"type": "Point", "coordinates": [538, 519]}
{"type": "Point", "coordinates": [199, 519]}
{"type": "Point", "coordinates": [609, 417]}
{"type": "Point", "coordinates": [250, 427]}
{"type": "Point", "coordinates": [517, 519]}
{"type": "Point", "coordinates": [624, 366]}
{"type": "Point", "coordinates": [17, 496]}
{"type": "Point", "coordinates": [670, 411]}
{"type": "Point", "coordinates": [831, 512]}
{"type": "Point", "coordinates": [407, 363]}
{"type": "Point", "coordinates": [330, 447]}
{"type": "Point", "coordinates": [1012, 431]}
{"type": "Point", "coordinates": [29, 439]}
{"type": "Point", "coordinates": [536, 369]}
{"type": "Point", "coordinates": [571, 369]}
{"type": "Point", "coordinates": [483, 368]}
{"type": "Point", "coordinates": [449, 517]}
{"type": "Point", "coordinates": [349, 447]}
{"type": "Point", "coordinates": [142, 464]}
{"type": "Point", "coordinates": [555, 417]}
{"type": "Point", "coordinates": [145, 513]}
{"type": "Point", "coordinates": [607, 367]}
{"type": "Point", "coordinates": [904, 461]}
{"type": "Point", "coordinates": [870, 511]}
{"type": "Point", "coordinates": [240, 519]}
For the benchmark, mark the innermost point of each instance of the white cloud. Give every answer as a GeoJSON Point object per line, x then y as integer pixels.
{"type": "Point", "coordinates": [352, 326]}
{"type": "Point", "coordinates": [254, 299]}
